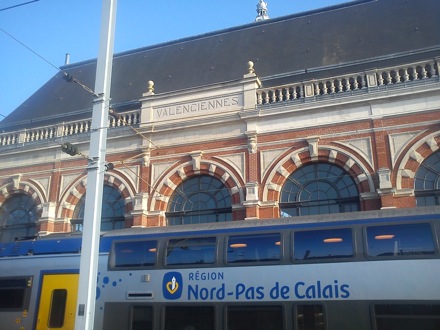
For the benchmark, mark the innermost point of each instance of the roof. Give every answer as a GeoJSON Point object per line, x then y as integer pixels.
{"type": "Point", "coordinates": [342, 37]}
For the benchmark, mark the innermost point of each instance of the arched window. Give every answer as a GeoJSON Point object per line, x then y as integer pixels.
{"type": "Point", "coordinates": [112, 212]}
{"type": "Point", "coordinates": [18, 217]}
{"type": "Point", "coordinates": [319, 188]}
{"type": "Point", "coordinates": [199, 199]}
{"type": "Point", "coordinates": [427, 181]}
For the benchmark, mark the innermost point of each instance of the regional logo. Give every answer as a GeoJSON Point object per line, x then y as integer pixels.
{"type": "Point", "coordinates": [172, 285]}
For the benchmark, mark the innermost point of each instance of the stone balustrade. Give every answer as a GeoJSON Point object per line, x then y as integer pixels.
{"type": "Point", "coordinates": [64, 129]}
{"type": "Point", "coordinates": [377, 79]}
{"type": "Point", "coordinates": [348, 84]}
{"type": "Point", "coordinates": [8, 138]}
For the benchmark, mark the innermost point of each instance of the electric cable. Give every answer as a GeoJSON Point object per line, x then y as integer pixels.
{"type": "Point", "coordinates": [19, 5]}
{"type": "Point", "coordinates": [116, 115]}
{"type": "Point", "coordinates": [69, 78]}
{"type": "Point", "coordinates": [66, 76]}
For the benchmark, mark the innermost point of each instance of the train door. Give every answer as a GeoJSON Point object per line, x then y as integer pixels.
{"type": "Point", "coordinates": [57, 305]}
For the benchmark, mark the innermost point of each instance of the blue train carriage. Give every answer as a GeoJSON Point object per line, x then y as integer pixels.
{"type": "Point", "coordinates": [364, 270]}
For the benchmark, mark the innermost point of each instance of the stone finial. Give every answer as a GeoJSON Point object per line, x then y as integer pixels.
{"type": "Point", "coordinates": [150, 88]}
{"type": "Point", "coordinates": [251, 69]}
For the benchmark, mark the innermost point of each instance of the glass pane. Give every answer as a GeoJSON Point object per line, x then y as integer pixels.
{"type": "Point", "coordinates": [57, 308]}
{"type": "Point", "coordinates": [310, 317]}
{"type": "Point", "coordinates": [255, 318]}
{"type": "Point", "coordinates": [427, 181]}
{"type": "Point", "coordinates": [142, 318]}
{"type": "Point", "coordinates": [11, 298]}
{"type": "Point", "coordinates": [17, 218]}
{"type": "Point", "coordinates": [395, 240]}
{"type": "Point", "coordinates": [318, 188]}
{"type": "Point", "coordinates": [189, 318]}
{"type": "Point", "coordinates": [112, 212]}
{"type": "Point", "coordinates": [191, 251]}
{"type": "Point", "coordinates": [200, 199]}
{"type": "Point", "coordinates": [323, 244]}
{"type": "Point", "coordinates": [253, 248]}
{"type": "Point", "coordinates": [407, 317]}
{"type": "Point", "coordinates": [134, 254]}
{"type": "Point", "coordinates": [13, 292]}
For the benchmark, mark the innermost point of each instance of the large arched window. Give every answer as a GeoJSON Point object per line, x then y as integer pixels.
{"type": "Point", "coordinates": [199, 199]}
{"type": "Point", "coordinates": [18, 217]}
{"type": "Point", "coordinates": [319, 188]}
{"type": "Point", "coordinates": [427, 181]}
{"type": "Point", "coordinates": [112, 212]}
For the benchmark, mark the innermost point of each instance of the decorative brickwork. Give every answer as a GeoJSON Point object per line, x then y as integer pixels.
{"type": "Point", "coordinates": [294, 160]}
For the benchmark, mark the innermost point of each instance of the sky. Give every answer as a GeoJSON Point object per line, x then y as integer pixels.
{"type": "Point", "coordinates": [35, 35]}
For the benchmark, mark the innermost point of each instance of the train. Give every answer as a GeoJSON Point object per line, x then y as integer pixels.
{"type": "Point", "coordinates": [362, 270]}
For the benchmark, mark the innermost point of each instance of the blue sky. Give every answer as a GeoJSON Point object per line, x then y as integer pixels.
{"type": "Point", "coordinates": [52, 28]}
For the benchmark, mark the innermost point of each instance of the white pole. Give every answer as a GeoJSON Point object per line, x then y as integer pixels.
{"type": "Point", "coordinates": [88, 272]}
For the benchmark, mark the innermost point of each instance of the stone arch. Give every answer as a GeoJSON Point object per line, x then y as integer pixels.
{"type": "Point", "coordinates": [73, 193]}
{"type": "Point", "coordinates": [417, 151]}
{"type": "Point", "coordinates": [15, 184]}
{"type": "Point", "coordinates": [169, 181]}
{"type": "Point", "coordinates": [286, 165]}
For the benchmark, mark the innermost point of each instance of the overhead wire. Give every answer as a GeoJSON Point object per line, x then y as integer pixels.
{"type": "Point", "coordinates": [19, 5]}
{"type": "Point", "coordinates": [116, 115]}
{"type": "Point", "coordinates": [69, 78]}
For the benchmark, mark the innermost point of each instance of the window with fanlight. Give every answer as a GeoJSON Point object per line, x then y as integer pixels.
{"type": "Point", "coordinates": [18, 217]}
{"type": "Point", "coordinates": [427, 181]}
{"type": "Point", "coordinates": [200, 199]}
{"type": "Point", "coordinates": [319, 188]}
{"type": "Point", "coordinates": [112, 212]}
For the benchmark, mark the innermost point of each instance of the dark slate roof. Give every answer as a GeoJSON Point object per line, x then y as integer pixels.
{"type": "Point", "coordinates": [333, 38]}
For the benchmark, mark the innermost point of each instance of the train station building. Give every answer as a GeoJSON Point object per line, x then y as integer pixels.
{"type": "Point", "coordinates": [328, 111]}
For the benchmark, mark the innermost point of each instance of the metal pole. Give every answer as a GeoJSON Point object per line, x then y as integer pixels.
{"type": "Point", "coordinates": [88, 272]}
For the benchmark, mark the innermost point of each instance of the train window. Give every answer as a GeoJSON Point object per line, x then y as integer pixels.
{"type": "Point", "coordinates": [57, 308]}
{"type": "Point", "coordinates": [132, 254]}
{"type": "Point", "coordinates": [310, 317]}
{"type": "Point", "coordinates": [400, 240]}
{"type": "Point", "coordinates": [191, 251]}
{"type": "Point", "coordinates": [323, 244]}
{"type": "Point", "coordinates": [189, 318]}
{"type": "Point", "coordinates": [407, 316]}
{"type": "Point", "coordinates": [255, 318]}
{"type": "Point", "coordinates": [254, 248]}
{"type": "Point", "coordinates": [141, 318]}
{"type": "Point", "coordinates": [14, 293]}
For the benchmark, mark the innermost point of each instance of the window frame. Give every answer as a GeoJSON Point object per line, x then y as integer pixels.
{"type": "Point", "coordinates": [345, 201]}
{"type": "Point", "coordinates": [183, 197]}
{"type": "Point", "coordinates": [257, 306]}
{"type": "Point", "coordinates": [432, 255]}
{"type": "Point", "coordinates": [112, 254]}
{"type": "Point", "coordinates": [309, 303]}
{"type": "Point", "coordinates": [27, 290]}
{"type": "Point", "coordinates": [166, 265]}
{"type": "Point", "coordinates": [333, 259]}
{"type": "Point", "coordinates": [402, 316]}
{"type": "Point", "coordinates": [254, 262]}
{"type": "Point", "coordinates": [57, 308]}
{"type": "Point", "coordinates": [213, 307]}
